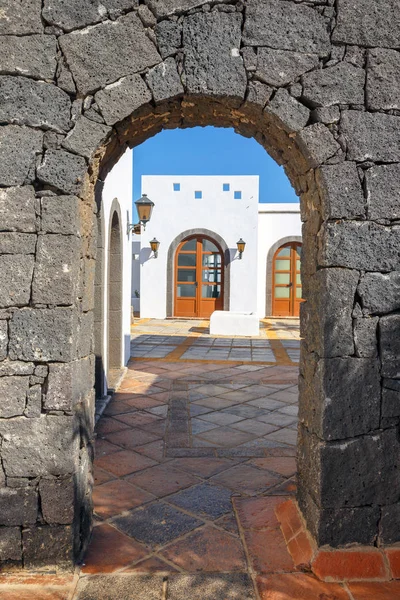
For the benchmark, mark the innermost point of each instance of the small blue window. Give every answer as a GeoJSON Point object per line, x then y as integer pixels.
{"type": "Point", "coordinates": [177, 187]}
{"type": "Point", "coordinates": [198, 194]}
{"type": "Point", "coordinates": [237, 195]}
{"type": "Point", "coordinates": [225, 187]}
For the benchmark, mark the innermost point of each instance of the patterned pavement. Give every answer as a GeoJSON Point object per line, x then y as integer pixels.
{"type": "Point", "coordinates": [192, 458]}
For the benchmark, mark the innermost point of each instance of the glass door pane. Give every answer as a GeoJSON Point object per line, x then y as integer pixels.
{"type": "Point", "coordinates": [186, 290]}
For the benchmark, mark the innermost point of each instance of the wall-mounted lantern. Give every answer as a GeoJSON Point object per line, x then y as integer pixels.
{"type": "Point", "coordinates": [144, 207]}
{"type": "Point", "coordinates": [154, 245]}
{"type": "Point", "coordinates": [240, 246]}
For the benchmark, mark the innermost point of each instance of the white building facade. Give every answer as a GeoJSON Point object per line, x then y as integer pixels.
{"type": "Point", "coordinates": [198, 221]}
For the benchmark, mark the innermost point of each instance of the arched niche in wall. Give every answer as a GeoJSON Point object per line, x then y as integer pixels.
{"type": "Point", "coordinates": [114, 321]}
{"type": "Point", "coordinates": [190, 233]}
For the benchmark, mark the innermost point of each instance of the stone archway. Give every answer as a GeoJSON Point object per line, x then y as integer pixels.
{"type": "Point", "coordinates": [170, 264]}
{"type": "Point", "coordinates": [291, 75]}
{"type": "Point", "coordinates": [270, 258]}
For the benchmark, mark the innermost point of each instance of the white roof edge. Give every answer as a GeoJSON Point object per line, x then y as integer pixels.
{"type": "Point", "coordinates": [264, 207]}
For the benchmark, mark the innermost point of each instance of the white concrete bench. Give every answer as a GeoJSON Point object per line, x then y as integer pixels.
{"type": "Point", "coordinates": [224, 322]}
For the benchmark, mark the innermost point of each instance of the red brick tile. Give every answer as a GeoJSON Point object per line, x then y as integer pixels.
{"type": "Point", "coordinates": [393, 556]}
{"type": "Point", "coordinates": [301, 551]}
{"type": "Point", "coordinates": [117, 408]}
{"type": "Point", "coordinates": [130, 438]}
{"type": "Point", "coordinates": [137, 419]}
{"type": "Point", "coordinates": [258, 513]}
{"type": "Point", "coordinates": [110, 550]}
{"type": "Point", "coordinates": [154, 450]}
{"type": "Point", "coordinates": [375, 591]}
{"type": "Point", "coordinates": [117, 496]}
{"type": "Point", "coordinates": [142, 402]}
{"type": "Point", "coordinates": [247, 479]}
{"type": "Point", "coordinates": [154, 564]}
{"type": "Point", "coordinates": [103, 447]}
{"type": "Point", "coordinates": [207, 549]}
{"type": "Point", "coordinates": [284, 465]}
{"type": "Point", "coordinates": [267, 551]}
{"type": "Point", "coordinates": [18, 593]}
{"type": "Point", "coordinates": [163, 480]}
{"type": "Point", "coordinates": [124, 462]}
{"type": "Point", "coordinates": [44, 579]}
{"type": "Point", "coordinates": [349, 565]}
{"type": "Point", "coordinates": [203, 467]}
{"type": "Point", "coordinates": [298, 587]}
{"type": "Point", "coordinates": [109, 425]}
{"type": "Point", "coordinates": [101, 476]}
{"type": "Point", "coordinates": [289, 518]}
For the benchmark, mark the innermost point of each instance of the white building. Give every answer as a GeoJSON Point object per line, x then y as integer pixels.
{"type": "Point", "coordinates": [198, 221]}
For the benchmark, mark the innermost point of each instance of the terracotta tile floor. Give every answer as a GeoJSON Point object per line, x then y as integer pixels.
{"type": "Point", "coordinates": [191, 461]}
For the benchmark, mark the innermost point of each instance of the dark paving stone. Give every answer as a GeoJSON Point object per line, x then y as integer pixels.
{"type": "Point", "coordinates": [205, 500]}
{"type": "Point", "coordinates": [157, 524]}
{"type": "Point", "coordinates": [247, 412]}
{"type": "Point", "coordinates": [229, 523]}
{"type": "Point", "coordinates": [189, 452]}
{"type": "Point", "coordinates": [118, 587]}
{"type": "Point", "coordinates": [236, 586]}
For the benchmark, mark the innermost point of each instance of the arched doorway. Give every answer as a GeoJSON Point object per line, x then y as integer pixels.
{"type": "Point", "coordinates": [287, 288]}
{"type": "Point", "coordinates": [198, 277]}
{"type": "Point", "coordinates": [114, 296]}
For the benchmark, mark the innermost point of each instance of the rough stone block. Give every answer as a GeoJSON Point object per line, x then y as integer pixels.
{"type": "Point", "coordinates": [327, 115]}
{"type": "Point", "coordinates": [17, 209]}
{"type": "Point", "coordinates": [89, 274]}
{"type": "Point", "coordinates": [48, 546]}
{"type": "Point", "coordinates": [119, 100]}
{"type": "Point", "coordinates": [371, 136]}
{"type": "Point", "coordinates": [46, 446]}
{"type": "Point", "coordinates": [56, 270]}
{"type": "Point", "coordinates": [390, 524]}
{"type": "Point", "coordinates": [166, 8]}
{"type": "Point", "coordinates": [57, 500]}
{"type": "Point", "coordinates": [69, 384]}
{"type": "Point", "coordinates": [389, 341]}
{"type": "Point", "coordinates": [286, 26]}
{"type": "Point", "coordinates": [76, 14]}
{"type": "Point", "coordinates": [34, 402]}
{"type": "Point", "coordinates": [169, 37]}
{"type": "Point", "coordinates": [327, 325]}
{"type": "Point", "coordinates": [341, 191]}
{"type": "Point", "coordinates": [368, 23]}
{"type": "Point", "coordinates": [16, 279]}
{"type": "Point", "coordinates": [164, 81]}
{"type": "Point", "coordinates": [60, 214]}
{"type": "Point", "coordinates": [86, 137]}
{"type": "Point", "coordinates": [280, 67]}
{"type": "Point", "coordinates": [18, 506]}
{"type": "Point", "coordinates": [17, 243]}
{"type": "Point", "coordinates": [19, 147]}
{"type": "Point", "coordinates": [390, 414]}
{"type": "Point", "coordinates": [3, 339]}
{"type": "Point", "coordinates": [292, 115]}
{"type": "Point", "coordinates": [329, 408]}
{"type": "Point", "coordinates": [10, 544]}
{"type": "Point", "coordinates": [43, 334]}
{"type": "Point", "coordinates": [84, 342]}
{"type": "Point", "coordinates": [383, 85]}
{"type": "Point", "coordinates": [340, 84]}
{"type": "Point", "coordinates": [359, 245]}
{"type": "Point", "coordinates": [34, 103]}
{"type": "Point", "coordinates": [9, 368]}
{"type": "Point", "coordinates": [380, 292]}
{"type": "Point", "coordinates": [31, 56]}
{"type": "Point", "coordinates": [13, 394]}
{"type": "Point", "coordinates": [258, 93]}
{"type": "Point", "coordinates": [104, 53]}
{"type": "Point", "coordinates": [63, 170]}
{"type": "Point", "coordinates": [318, 143]}
{"type": "Point", "coordinates": [213, 64]}
{"type": "Point", "coordinates": [365, 337]}
{"type": "Point", "coordinates": [383, 191]}
{"type": "Point", "coordinates": [20, 18]}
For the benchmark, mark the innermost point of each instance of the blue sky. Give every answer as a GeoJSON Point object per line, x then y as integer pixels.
{"type": "Point", "coordinates": [210, 151]}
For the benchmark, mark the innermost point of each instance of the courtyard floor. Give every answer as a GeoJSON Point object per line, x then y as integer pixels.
{"type": "Point", "coordinates": [193, 454]}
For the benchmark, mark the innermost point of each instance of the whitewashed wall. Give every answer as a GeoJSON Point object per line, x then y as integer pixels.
{"type": "Point", "coordinates": [118, 184]}
{"type": "Point", "coordinates": [275, 222]}
{"type": "Point", "coordinates": [217, 211]}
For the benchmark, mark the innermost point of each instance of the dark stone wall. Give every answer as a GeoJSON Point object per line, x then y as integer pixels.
{"type": "Point", "coordinates": [316, 83]}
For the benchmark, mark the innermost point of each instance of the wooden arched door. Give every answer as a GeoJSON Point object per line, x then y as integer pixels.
{"type": "Point", "coordinates": [199, 275]}
{"type": "Point", "coordinates": [286, 282]}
